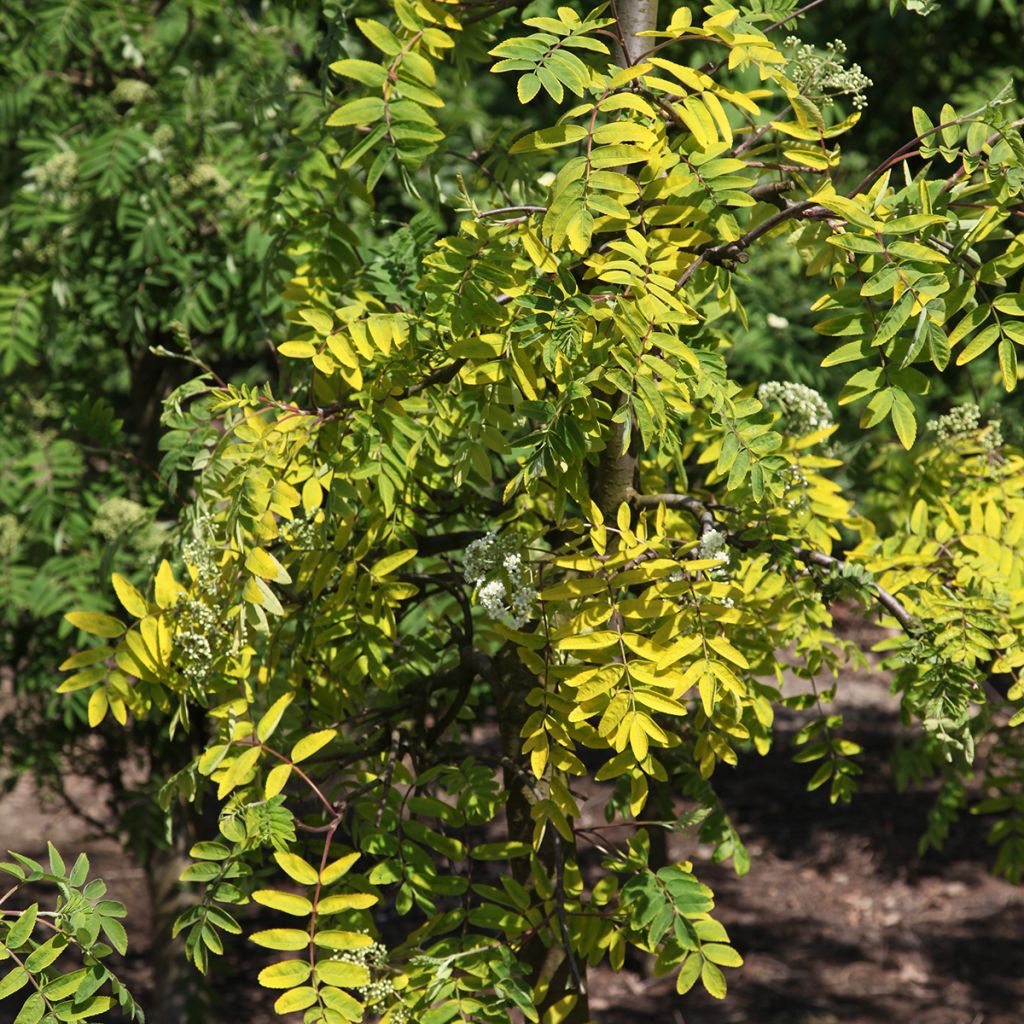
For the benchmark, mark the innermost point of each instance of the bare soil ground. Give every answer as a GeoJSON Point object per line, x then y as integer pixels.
{"type": "Point", "coordinates": [839, 919]}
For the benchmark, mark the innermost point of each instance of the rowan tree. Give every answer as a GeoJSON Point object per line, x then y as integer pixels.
{"type": "Point", "coordinates": [479, 601]}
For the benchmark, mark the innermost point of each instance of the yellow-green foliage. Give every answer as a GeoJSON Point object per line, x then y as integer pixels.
{"type": "Point", "coordinates": [526, 531]}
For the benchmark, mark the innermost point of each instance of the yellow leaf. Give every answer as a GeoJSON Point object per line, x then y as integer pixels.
{"type": "Point", "coordinates": [596, 641]}
{"type": "Point", "coordinates": [339, 868]}
{"type": "Point", "coordinates": [726, 650]}
{"type": "Point", "coordinates": [98, 705]}
{"type": "Point", "coordinates": [339, 972]}
{"type": "Point", "coordinates": [312, 495]}
{"type": "Point", "coordinates": [86, 657]}
{"type": "Point", "coordinates": [286, 902]}
{"type": "Point", "coordinates": [272, 719]}
{"type": "Point", "coordinates": [277, 779]}
{"type": "Point", "coordinates": [390, 563]}
{"type": "Point", "coordinates": [167, 587]}
{"type": "Point", "coordinates": [336, 939]}
{"type": "Point", "coordinates": [560, 1010]}
{"type": "Point", "coordinates": [319, 321]}
{"type": "Point", "coordinates": [118, 709]}
{"type": "Point", "coordinates": [239, 771]}
{"type": "Point", "coordinates": [134, 603]}
{"type": "Point", "coordinates": [296, 349]}
{"type": "Point", "coordinates": [637, 738]}
{"type": "Point", "coordinates": [286, 974]}
{"type": "Point", "coordinates": [80, 680]}
{"type": "Point", "coordinates": [295, 867]}
{"type": "Point", "coordinates": [297, 999]}
{"type": "Point", "coordinates": [346, 901]}
{"type": "Point", "coordinates": [263, 564]}
{"type": "Point", "coordinates": [656, 702]}
{"type": "Point", "coordinates": [539, 760]}
{"type": "Point", "coordinates": [309, 745]}
{"type": "Point", "coordinates": [281, 938]}
{"type": "Point", "coordinates": [96, 623]}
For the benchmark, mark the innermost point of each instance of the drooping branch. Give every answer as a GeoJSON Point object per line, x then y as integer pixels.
{"type": "Point", "coordinates": [705, 517]}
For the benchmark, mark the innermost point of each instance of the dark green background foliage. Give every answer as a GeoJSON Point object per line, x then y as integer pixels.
{"type": "Point", "coordinates": [132, 136]}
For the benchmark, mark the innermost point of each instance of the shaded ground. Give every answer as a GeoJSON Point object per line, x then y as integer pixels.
{"type": "Point", "coordinates": [839, 919]}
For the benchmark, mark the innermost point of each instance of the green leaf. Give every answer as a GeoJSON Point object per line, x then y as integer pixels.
{"type": "Point", "coordinates": [903, 418]}
{"type": "Point", "coordinates": [22, 928]}
{"type": "Point", "coordinates": [44, 955]}
{"type": "Point", "coordinates": [209, 850]}
{"type": "Point", "coordinates": [12, 981]}
{"type": "Point", "coordinates": [980, 343]}
{"type": "Point", "coordinates": [922, 122]}
{"type": "Point", "coordinates": [115, 934]}
{"type": "Point", "coordinates": [1011, 304]}
{"type": "Point", "coordinates": [390, 563]}
{"type": "Point", "coordinates": [688, 974]}
{"type": "Point", "coordinates": [952, 132]}
{"type": "Point", "coordinates": [713, 980]}
{"type": "Point", "coordinates": [34, 1007]}
{"type": "Point", "coordinates": [362, 111]}
{"type": "Point", "coordinates": [527, 88]}
{"type": "Point", "coordinates": [1008, 364]}
{"type": "Point", "coordinates": [894, 319]}
{"type": "Point", "coordinates": [381, 37]}
{"type": "Point", "coordinates": [364, 71]}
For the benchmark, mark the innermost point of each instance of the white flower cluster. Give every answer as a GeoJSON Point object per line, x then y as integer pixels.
{"type": "Point", "coordinates": [199, 554]}
{"type": "Point", "coordinates": [824, 76]}
{"type": "Point", "coordinates": [373, 956]}
{"type": "Point", "coordinates": [963, 420]}
{"type": "Point", "coordinates": [119, 516]}
{"type": "Point", "coordinates": [193, 646]}
{"type": "Point", "coordinates": [131, 91]}
{"type": "Point", "coordinates": [803, 409]}
{"type": "Point", "coordinates": [57, 174]}
{"type": "Point", "coordinates": [713, 544]}
{"type": "Point", "coordinates": [503, 580]}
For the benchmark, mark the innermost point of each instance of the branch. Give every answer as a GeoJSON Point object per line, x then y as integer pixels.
{"type": "Point", "coordinates": [727, 254]}
{"type": "Point", "coordinates": [472, 663]}
{"type": "Point", "coordinates": [442, 375]}
{"type": "Point", "coordinates": [692, 505]}
{"type": "Point", "coordinates": [890, 603]}
{"type": "Point", "coordinates": [501, 210]}
{"type": "Point", "coordinates": [707, 520]}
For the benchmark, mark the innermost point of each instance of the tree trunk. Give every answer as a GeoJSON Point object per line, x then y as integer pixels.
{"type": "Point", "coordinates": [634, 17]}
{"type": "Point", "coordinates": [553, 974]}
{"type": "Point", "coordinates": [173, 979]}
{"type": "Point", "coordinates": [617, 469]}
